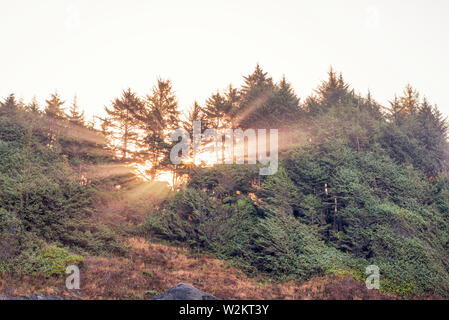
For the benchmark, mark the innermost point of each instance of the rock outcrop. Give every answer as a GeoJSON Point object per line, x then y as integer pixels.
{"type": "Point", "coordinates": [184, 292]}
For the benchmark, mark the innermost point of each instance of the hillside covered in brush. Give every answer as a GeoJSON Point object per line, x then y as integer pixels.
{"type": "Point", "coordinates": [358, 184]}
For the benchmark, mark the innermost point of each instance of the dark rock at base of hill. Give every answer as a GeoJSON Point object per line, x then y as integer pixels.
{"type": "Point", "coordinates": [184, 292]}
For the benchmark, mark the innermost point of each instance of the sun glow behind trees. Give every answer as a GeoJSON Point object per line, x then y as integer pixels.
{"type": "Point", "coordinates": [141, 170]}
{"type": "Point", "coordinates": [349, 170]}
{"type": "Point", "coordinates": [144, 169]}
{"type": "Point", "coordinates": [138, 128]}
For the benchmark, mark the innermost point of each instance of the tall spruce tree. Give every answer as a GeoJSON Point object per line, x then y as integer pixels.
{"type": "Point", "coordinates": [55, 114]}
{"type": "Point", "coordinates": [431, 131]}
{"type": "Point", "coordinates": [410, 101]}
{"type": "Point", "coordinates": [287, 108]}
{"type": "Point", "coordinates": [396, 114]}
{"type": "Point", "coordinates": [10, 106]}
{"type": "Point", "coordinates": [196, 113]}
{"type": "Point", "coordinates": [265, 104]}
{"type": "Point", "coordinates": [54, 107]}
{"type": "Point", "coordinates": [334, 91]}
{"type": "Point", "coordinates": [75, 116]}
{"type": "Point", "coordinates": [256, 93]}
{"type": "Point", "coordinates": [221, 110]}
{"type": "Point", "coordinates": [404, 106]}
{"type": "Point", "coordinates": [158, 116]}
{"type": "Point", "coordinates": [123, 123]}
{"type": "Point", "coordinates": [216, 110]}
{"type": "Point", "coordinates": [33, 106]}
{"type": "Point", "coordinates": [233, 100]}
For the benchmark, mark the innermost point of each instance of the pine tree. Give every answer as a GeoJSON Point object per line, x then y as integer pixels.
{"type": "Point", "coordinates": [222, 109]}
{"type": "Point", "coordinates": [55, 113]}
{"type": "Point", "coordinates": [54, 107]}
{"type": "Point", "coordinates": [258, 78]}
{"type": "Point", "coordinates": [334, 91]}
{"type": "Point", "coordinates": [164, 106]}
{"type": "Point", "coordinates": [75, 116]}
{"type": "Point", "coordinates": [404, 106]}
{"type": "Point", "coordinates": [267, 105]}
{"type": "Point", "coordinates": [431, 131]}
{"type": "Point", "coordinates": [10, 106]}
{"type": "Point", "coordinates": [256, 94]}
{"type": "Point", "coordinates": [123, 123]}
{"type": "Point", "coordinates": [409, 102]}
{"type": "Point", "coordinates": [216, 109]}
{"type": "Point", "coordinates": [157, 117]}
{"type": "Point", "coordinates": [105, 125]}
{"type": "Point", "coordinates": [33, 106]}
{"type": "Point", "coordinates": [284, 113]}
{"type": "Point", "coordinates": [288, 103]}
{"type": "Point", "coordinates": [233, 99]}
{"type": "Point", "coordinates": [396, 113]}
{"type": "Point", "coordinates": [164, 110]}
{"type": "Point", "coordinates": [196, 113]}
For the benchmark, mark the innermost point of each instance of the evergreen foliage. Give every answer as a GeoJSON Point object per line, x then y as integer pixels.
{"type": "Point", "coordinates": [357, 184]}
{"type": "Point", "coordinates": [43, 201]}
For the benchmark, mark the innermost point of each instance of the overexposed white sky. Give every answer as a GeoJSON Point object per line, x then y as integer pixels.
{"type": "Point", "coordinates": [97, 48]}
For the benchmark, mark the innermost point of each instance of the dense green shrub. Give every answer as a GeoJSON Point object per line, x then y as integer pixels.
{"type": "Point", "coordinates": [54, 261]}
{"type": "Point", "coordinates": [387, 214]}
{"type": "Point", "coordinates": [278, 245]}
{"type": "Point", "coordinates": [286, 225]}
{"type": "Point", "coordinates": [42, 201]}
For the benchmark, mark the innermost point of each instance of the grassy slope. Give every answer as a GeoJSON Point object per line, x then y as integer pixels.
{"type": "Point", "coordinates": [153, 268]}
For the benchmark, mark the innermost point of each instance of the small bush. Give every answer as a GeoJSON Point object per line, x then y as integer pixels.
{"type": "Point", "coordinates": [53, 261]}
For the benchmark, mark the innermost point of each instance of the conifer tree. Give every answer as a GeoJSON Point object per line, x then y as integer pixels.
{"type": "Point", "coordinates": [256, 93]}
{"type": "Point", "coordinates": [334, 91]}
{"type": "Point", "coordinates": [267, 105]}
{"type": "Point", "coordinates": [158, 116]}
{"type": "Point", "coordinates": [233, 99]}
{"type": "Point", "coordinates": [431, 131]}
{"type": "Point", "coordinates": [10, 106]}
{"type": "Point", "coordinates": [196, 113]}
{"type": "Point", "coordinates": [409, 102]}
{"type": "Point", "coordinates": [221, 109]}
{"type": "Point", "coordinates": [105, 125]}
{"type": "Point", "coordinates": [123, 123]}
{"type": "Point", "coordinates": [163, 105]}
{"type": "Point", "coordinates": [54, 107]}
{"type": "Point", "coordinates": [288, 109]}
{"type": "Point", "coordinates": [75, 116]}
{"type": "Point", "coordinates": [216, 109]}
{"type": "Point", "coordinates": [258, 79]}
{"type": "Point", "coordinates": [404, 106]}
{"type": "Point", "coordinates": [55, 113]}
{"type": "Point", "coordinates": [396, 113]}
{"type": "Point", "coordinates": [33, 106]}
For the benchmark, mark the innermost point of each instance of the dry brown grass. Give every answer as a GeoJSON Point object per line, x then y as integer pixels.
{"type": "Point", "coordinates": [152, 268]}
